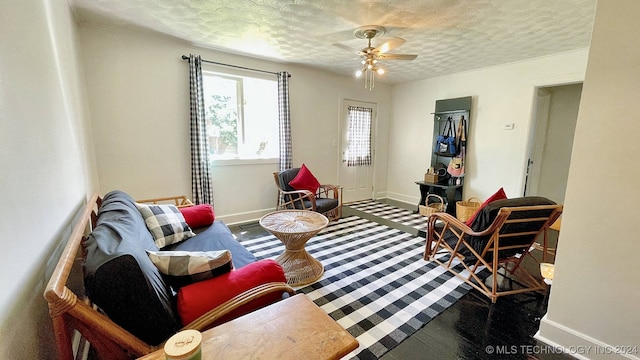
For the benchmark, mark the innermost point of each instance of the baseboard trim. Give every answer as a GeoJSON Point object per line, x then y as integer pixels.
{"type": "Point", "coordinates": [244, 217]}
{"type": "Point", "coordinates": [576, 344]}
{"type": "Point", "coordinates": [403, 198]}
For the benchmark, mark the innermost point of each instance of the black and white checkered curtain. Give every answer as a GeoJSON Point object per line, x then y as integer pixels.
{"type": "Point", "coordinates": [201, 186]}
{"type": "Point", "coordinates": [358, 151]}
{"type": "Point", "coordinates": [284, 117]}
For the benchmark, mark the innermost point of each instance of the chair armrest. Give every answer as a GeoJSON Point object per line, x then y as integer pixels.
{"type": "Point", "coordinates": [330, 191]}
{"type": "Point", "coordinates": [452, 223]}
{"type": "Point", "coordinates": [209, 318]}
{"type": "Point", "coordinates": [297, 197]}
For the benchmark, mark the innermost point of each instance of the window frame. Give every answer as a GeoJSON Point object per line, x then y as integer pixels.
{"type": "Point", "coordinates": [238, 76]}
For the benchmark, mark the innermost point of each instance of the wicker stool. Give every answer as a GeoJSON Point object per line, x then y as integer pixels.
{"type": "Point", "coordinates": [294, 228]}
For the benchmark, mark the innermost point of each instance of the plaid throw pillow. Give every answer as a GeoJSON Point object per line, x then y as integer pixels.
{"type": "Point", "coordinates": [186, 267]}
{"type": "Point", "coordinates": [166, 223]}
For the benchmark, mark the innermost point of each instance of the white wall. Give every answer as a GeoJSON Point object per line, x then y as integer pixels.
{"type": "Point", "coordinates": [139, 99]}
{"type": "Point", "coordinates": [501, 94]}
{"type": "Point", "coordinates": [47, 164]}
{"type": "Point", "coordinates": [595, 295]}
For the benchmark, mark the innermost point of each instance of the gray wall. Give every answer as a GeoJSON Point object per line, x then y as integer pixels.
{"type": "Point", "coordinates": [595, 294]}
{"type": "Point", "coordinates": [47, 161]}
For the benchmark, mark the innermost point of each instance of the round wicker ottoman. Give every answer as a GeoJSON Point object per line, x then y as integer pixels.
{"type": "Point", "coordinates": [294, 228]}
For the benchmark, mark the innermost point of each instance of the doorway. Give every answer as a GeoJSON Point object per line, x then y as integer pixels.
{"type": "Point", "coordinates": [551, 142]}
{"type": "Point", "coordinates": [356, 177]}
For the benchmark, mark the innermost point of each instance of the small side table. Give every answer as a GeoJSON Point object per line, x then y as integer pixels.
{"type": "Point", "coordinates": [290, 329]}
{"type": "Point", "coordinates": [294, 228]}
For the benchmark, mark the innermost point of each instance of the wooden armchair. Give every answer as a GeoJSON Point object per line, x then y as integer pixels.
{"type": "Point", "coordinates": [327, 200]}
{"type": "Point", "coordinates": [501, 237]}
{"type": "Point", "coordinates": [72, 311]}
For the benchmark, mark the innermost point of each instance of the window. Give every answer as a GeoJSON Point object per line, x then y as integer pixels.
{"type": "Point", "coordinates": [358, 152]}
{"type": "Point", "coordinates": [242, 116]}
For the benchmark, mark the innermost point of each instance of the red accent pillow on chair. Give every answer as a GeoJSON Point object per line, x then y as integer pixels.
{"type": "Point", "coordinates": [305, 180]}
{"type": "Point", "coordinates": [499, 195]}
{"type": "Point", "coordinates": [196, 299]}
{"type": "Point", "coordinates": [198, 215]}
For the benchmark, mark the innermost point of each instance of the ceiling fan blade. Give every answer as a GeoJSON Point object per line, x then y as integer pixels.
{"type": "Point", "coordinates": [390, 45]}
{"type": "Point", "coordinates": [344, 47]}
{"type": "Point", "coordinates": [397, 57]}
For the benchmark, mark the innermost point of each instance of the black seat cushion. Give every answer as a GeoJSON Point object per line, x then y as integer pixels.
{"type": "Point", "coordinates": [489, 214]}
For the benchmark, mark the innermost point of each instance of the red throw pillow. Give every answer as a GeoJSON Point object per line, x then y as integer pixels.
{"type": "Point", "coordinates": [499, 195]}
{"type": "Point", "coordinates": [198, 215]}
{"type": "Point", "coordinates": [305, 180]}
{"type": "Point", "coordinates": [196, 299]}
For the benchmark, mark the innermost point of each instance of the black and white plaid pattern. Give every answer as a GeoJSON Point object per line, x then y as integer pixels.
{"type": "Point", "coordinates": [376, 283]}
{"type": "Point", "coordinates": [166, 223]}
{"type": "Point", "coordinates": [186, 267]}
{"type": "Point", "coordinates": [358, 151]}
{"type": "Point", "coordinates": [201, 186]}
{"type": "Point", "coordinates": [284, 119]}
{"type": "Point", "coordinates": [392, 213]}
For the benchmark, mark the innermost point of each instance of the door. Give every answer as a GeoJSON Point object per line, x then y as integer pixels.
{"type": "Point", "coordinates": [357, 135]}
{"type": "Point", "coordinates": [553, 128]}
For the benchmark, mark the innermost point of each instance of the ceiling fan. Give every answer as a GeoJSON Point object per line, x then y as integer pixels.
{"type": "Point", "coordinates": [370, 55]}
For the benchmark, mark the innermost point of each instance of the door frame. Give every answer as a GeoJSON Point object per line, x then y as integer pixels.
{"type": "Point", "coordinates": [535, 128]}
{"type": "Point", "coordinates": [374, 135]}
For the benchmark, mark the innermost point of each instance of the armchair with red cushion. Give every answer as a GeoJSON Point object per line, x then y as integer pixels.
{"type": "Point", "coordinates": [299, 189]}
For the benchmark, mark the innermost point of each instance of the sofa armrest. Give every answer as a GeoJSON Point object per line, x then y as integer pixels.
{"type": "Point", "coordinates": [211, 317]}
{"type": "Point", "coordinates": [224, 297]}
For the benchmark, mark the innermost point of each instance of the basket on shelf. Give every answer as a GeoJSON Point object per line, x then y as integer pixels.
{"type": "Point", "coordinates": [434, 207]}
{"type": "Point", "coordinates": [465, 209]}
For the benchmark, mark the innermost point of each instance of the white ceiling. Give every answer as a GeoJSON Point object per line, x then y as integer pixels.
{"type": "Point", "coordinates": [447, 35]}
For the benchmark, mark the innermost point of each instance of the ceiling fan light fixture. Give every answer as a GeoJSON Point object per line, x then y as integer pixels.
{"type": "Point", "coordinates": [370, 54]}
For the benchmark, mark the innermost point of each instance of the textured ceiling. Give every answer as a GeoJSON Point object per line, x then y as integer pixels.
{"type": "Point", "coordinates": [447, 35]}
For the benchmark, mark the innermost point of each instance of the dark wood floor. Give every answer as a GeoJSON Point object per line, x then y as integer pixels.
{"type": "Point", "coordinates": [473, 328]}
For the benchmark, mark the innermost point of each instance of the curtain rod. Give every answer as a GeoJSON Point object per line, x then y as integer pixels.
{"type": "Point", "coordinates": [185, 57]}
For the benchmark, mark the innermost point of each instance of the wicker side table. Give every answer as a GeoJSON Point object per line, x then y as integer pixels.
{"type": "Point", "coordinates": [294, 228]}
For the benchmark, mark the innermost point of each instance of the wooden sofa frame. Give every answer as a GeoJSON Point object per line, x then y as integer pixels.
{"type": "Point", "coordinates": [70, 311]}
{"type": "Point", "coordinates": [440, 223]}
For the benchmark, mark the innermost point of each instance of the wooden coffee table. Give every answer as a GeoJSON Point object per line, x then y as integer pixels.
{"type": "Point", "coordinates": [294, 228]}
{"type": "Point", "coordinates": [293, 328]}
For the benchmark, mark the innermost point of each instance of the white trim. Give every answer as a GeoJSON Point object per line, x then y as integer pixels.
{"type": "Point", "coordinates": [244, 217]}
{"type": "Point", "coordinates": [404, 198]}
{"type": "Point", "coordinates": [571, 341]}
{"type": "Point", "coordinates": [233, 162]}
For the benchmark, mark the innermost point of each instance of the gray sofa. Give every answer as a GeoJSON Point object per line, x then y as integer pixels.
{"type": "Point", "coordinates": [121, 279]}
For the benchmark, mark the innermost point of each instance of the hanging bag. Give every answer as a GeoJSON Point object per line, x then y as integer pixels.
{"type": "Point", "coordinates": [456, 165]}
{"type": "Point", "coordinates": [461, 135]}
{"type": "Point", "coordinates": [446, 143]}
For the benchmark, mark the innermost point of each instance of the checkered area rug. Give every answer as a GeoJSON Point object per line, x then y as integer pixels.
{"type": "Point", "coordinates": [390, 212]}
{"type": "Point", "coordinates": [376, 283]}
